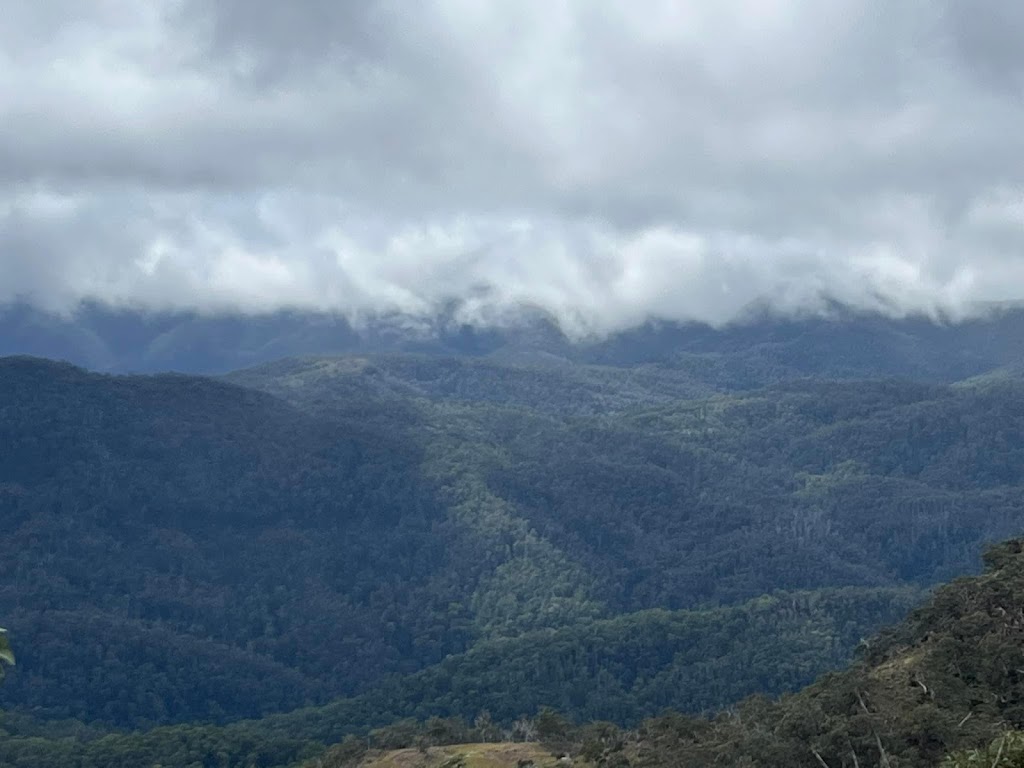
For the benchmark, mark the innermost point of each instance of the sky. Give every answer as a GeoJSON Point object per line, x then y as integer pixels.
{"type": "Point", "coordinates": [603, 161]}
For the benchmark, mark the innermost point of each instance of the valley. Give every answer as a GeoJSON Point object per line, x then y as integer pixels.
{"type": "Point", "coordinates": [458, 384]}
{"type": "Point", "coordinates": [322, 546]}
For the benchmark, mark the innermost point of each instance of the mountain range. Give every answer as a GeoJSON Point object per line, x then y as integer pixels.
{"type": "Point", "coordinates": [368, 524]}
{"type": "Point", "coordinates": [759, 349]}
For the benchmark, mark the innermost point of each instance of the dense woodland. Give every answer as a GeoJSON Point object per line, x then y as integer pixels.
{"type": "Point", "coordinates": [943, 686]}
{"type": "Point", "coordinates": [241, 571]}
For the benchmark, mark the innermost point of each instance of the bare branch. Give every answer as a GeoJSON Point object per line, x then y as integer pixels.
{"type": "Point", "coordinates": [1000, 752]}
{"type": "Point", "coordinates": [860, 699]}
{"type": "Point", "coordinates": [821, 760]}
{"type": "Point", "coordinates": [881, 751]}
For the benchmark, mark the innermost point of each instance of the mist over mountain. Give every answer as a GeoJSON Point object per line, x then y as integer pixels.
{"type": "Point", "coordinates": [461, 385]}
{"type": "Point", "coordinates": [606, 164]}
{"type": "Point", "coordinates": [763, 348]}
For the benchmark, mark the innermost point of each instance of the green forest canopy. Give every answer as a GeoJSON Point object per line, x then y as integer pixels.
{"type": "Point", "coordinates": [338, 531]}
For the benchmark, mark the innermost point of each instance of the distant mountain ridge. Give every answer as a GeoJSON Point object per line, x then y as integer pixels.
{"type": "Point", "coordinates": [762, 349]}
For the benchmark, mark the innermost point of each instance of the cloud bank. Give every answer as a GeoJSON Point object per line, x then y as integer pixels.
{"type": "Point", "coordinates": [604, 161]}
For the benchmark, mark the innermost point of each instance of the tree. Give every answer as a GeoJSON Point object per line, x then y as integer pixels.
{"type": "Point", "coordinates": [523, 729]}
{"type": "Point", "coordinates": [486, 729]}
{"type": "Point", "coordinates": [1005, 752]}
{"type": "Point", "coordinates": [550, 725]}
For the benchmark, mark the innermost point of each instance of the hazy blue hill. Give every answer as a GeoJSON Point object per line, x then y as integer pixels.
{"type": "Point", "coordinates": [765, 349]}
{"type": "Point", "coordinates": [564, 388]}
{"type": "Point", "coordinates": [129, 341]}
{"type": "Point", "coordinates": [760, 349]}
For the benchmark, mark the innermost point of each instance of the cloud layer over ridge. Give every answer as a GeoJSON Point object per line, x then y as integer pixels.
{"type": "Point", "coordinates": [605, 161]}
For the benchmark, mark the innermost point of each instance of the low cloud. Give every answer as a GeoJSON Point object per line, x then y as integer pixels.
{"type": "Point", "coordinates": [606, 162]}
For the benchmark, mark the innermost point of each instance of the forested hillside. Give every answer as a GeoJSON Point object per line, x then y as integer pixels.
{"type": "Point", "coordinates": [623, 668]}
{"type": "Point", "coordinates": [357, 540]}
{"type": "Point", "coordinates": [947, 679]}
{"type": "Point", "coordinates": [179, 549]}
{"type": "Point", "coordinates": [697, 501]}
{"type": "Point", "coordinates": [943, 683]}
{"type": "Point", "coordinates": [943, 687]}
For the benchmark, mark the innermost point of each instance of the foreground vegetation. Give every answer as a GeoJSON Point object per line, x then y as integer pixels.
{"type": "Point", "coordinates": [944, 684]}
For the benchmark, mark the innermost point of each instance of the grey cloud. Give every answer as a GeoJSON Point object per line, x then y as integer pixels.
{"type": "Point", "coordinates": [603, 160]}
{"type": "Point", "coordinates": [987, 38]}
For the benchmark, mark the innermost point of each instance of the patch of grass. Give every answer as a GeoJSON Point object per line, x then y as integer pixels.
{"type": "Point", "coordinates": [500, 755]}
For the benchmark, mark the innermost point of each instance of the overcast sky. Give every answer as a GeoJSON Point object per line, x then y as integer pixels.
{"type": "Point", "coordinates": [606, 161]}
